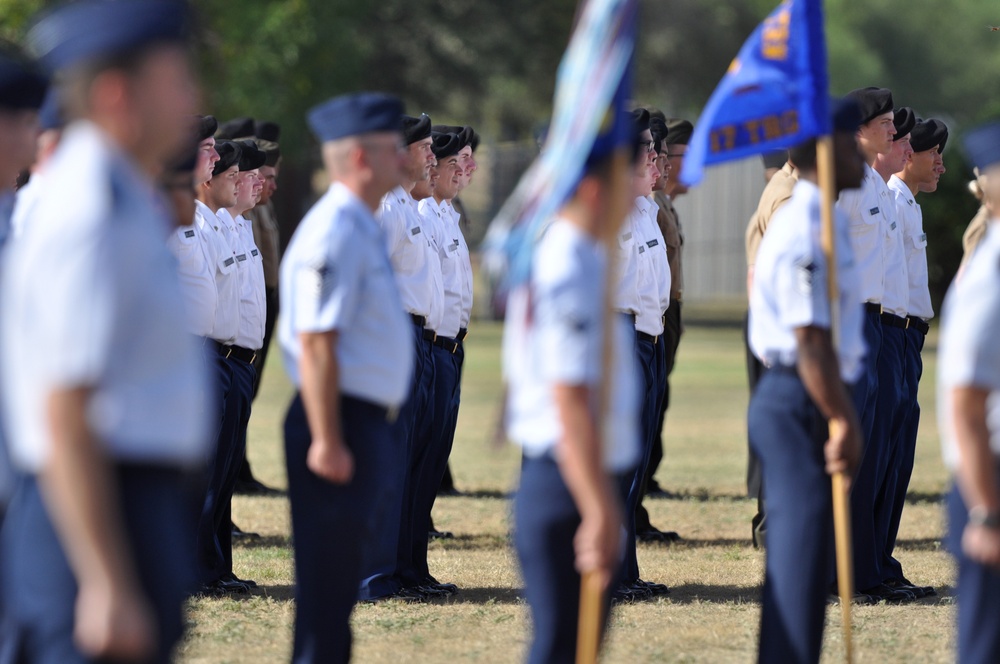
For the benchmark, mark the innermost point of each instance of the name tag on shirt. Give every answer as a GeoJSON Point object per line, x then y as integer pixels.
{"type": "Point", "coordinates": [254, 252]}
{"type": "Point", "coordinates": [893, 227]}
{"type": "Point", "coordinates": [652, 243]}
{"type": "Point", "coordinates": [228, 262]}
{"type": "Point", "coordinates": [642, 248]}
{"type": "Point", "coordinates": [873, 211]}
{"type": "Point", "coordinates": [627, 236]}
{"type": "Point", "coordinates": [188, 233]}
{"type": "Point", "coordinates": [241, 257]}
{"type": "Point", "coordinates": [415, 231]}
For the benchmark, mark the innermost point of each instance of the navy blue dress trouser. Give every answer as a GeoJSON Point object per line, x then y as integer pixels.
{"type": "Point", "coordinates": [978, 593]}
{"type": "Point", "coordinates": [787, 431]}
{"type": "Point", "coordinates": [391, 549]}
{"type": "Point", "coordinates": [650, 362]}
{"type": "Point", "coordinates": [545, 521]}
{"type": "Point", "coordinates": [867, 481]}
{"type": "Point", "coordinates": [901, 467]}
{"type": "Point", "coordinates": [431, 459]}
{"type": "Point", "coordinates": [332, 525]}
{"type": "Point", "coordinates": [159, 508]}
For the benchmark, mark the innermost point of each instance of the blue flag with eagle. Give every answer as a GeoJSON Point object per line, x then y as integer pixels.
{"type": "Point", "coordinates": [775, 94]}
{"type": "Point", "coordinates": [593, 85]}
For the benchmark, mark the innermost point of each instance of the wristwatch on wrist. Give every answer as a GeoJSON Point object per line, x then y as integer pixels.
{"type": "Point", "coordinates": [986, 518]}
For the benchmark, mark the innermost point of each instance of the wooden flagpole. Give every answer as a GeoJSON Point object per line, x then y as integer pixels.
{"type": "Point", "coordinates": [841, 511]}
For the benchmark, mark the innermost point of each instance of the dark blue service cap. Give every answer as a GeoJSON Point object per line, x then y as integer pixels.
{"type": "Point", "coordinates": [903, 118]}
{"type": "Point", "coordinates": [679, 131]}
{"type": "Point", "coordinates": [205, 126]}
{"type": "Point", "coordinates": [267, 130]}
{"type": "Point", "coordinates": [355, 114]}
{"type": "Point", "coordinates": [445, 145]}
{"type": "Point", "coordinates": [50, 115]}
{"type": "Point", "coordinates": [982, 144]}
{"type": "Point", "coordinates": [845, 114]}
{"type": "Point", "coordinates": [416, 129]}
{"type": "Point", "coordinates": [928, 134]}
{"type": "Point", "coordinates": [251, 156]}
{"type": "Point", "coordinates": [236, 128]}
{"type": "Point", "coordinates": [88, 30]}
{"type": "Point", "coordinates": [229, 156]}
{"type": "Point", "coordinates": [872, 101]}
{"type": "Point", "coordinates": [22, 85]}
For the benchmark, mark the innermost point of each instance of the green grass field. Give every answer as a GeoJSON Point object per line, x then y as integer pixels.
{"type": "Point", "coordinates": [713, 611]}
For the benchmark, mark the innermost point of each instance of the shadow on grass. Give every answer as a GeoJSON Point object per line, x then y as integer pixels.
{"type": "Point", "coordinates": [494, 494]}
{"type": "Point", "coordinates": [914, 497]}
{"type": "Point", "coordinates": [695, 543]}
{"type": "Point", "coordinates": [262, 541]}
{"type": "Point", "coordinates": [692, 593]}
{"type": "Point", "coordinates": [486, 596]}
{"type": "Point", "coordinates": [920, 544]}
{"type": "Point", "coordinates": [478, 542]}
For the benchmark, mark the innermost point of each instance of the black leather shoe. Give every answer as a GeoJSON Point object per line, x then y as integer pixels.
{"type": "Point", "coordinates": [247, 582]}
{"type": "Point", "coordinates": [656, 535]}
{"type": "Point", "coordinates": [641, 590]}
{"type": "Point", "coordinates": [440, 534]}
{"type": "Point", "coordinates": [412, 595]}
{"type": "Point", "coordinates": [902, 583]}
{"type": "Point", "coordinates": [226, 586]}
{"type": "Point", "coordinates": [656, 589]}
{"type": "Point", "coordinates": [238, 534]}
{"type": "Point", "coordinates": [884, 593]}
{"type": "Point", "coordinates": [449, 588]}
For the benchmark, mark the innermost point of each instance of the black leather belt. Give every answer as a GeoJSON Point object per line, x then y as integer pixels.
{"type": "Point", "coordinates": [920, 324]}
{"type": "Point", "coordinates": [462, 334]}
{"type": "Point", "coordinates": [873, 307]}
{"type": "Point", "coordinates": [642, 336]}
{"type": "Point", "coordinates": [238, 353]}
{"type": "Point", "coordinates": [893, 320]}
{"type": "Point", "coordinates": [419, 321]}
{"type": "Point", "coordinates": [450, 345]}
{"type": "Point", "coordinates": [429, 335]}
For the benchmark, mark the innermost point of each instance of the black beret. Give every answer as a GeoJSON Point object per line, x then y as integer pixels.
{"type": "Point", "coordinates": [235, 129]}
{"type": "Point", "coordinates": [472, 137]}
{"type": "Point", "coordinates": [267, 130]}
{"type": "Point", "coordinates": [447, 129]}
{"type": "Point", "coordinates": [89, 30]}
{"type": "Point", "coordinates": [872, 101]}
{"type": "Point", "coordinates": [416, 129]}
{"type": "Point", "coordinates": [845, 114]}
{"type": "Point", "coordinates": [904, 118]}
{"type": "Point", "coordinates": [928, 134]}
{"type": "Point", "coordinates": [678, 131]}
{"type": "Point", "coordinates": [22, 84]}
{"type": "Point", "coordinates": [640, 118]}
{"type": "Point", "coordinates": [658, 129]}
{"type": "Point", "coordinates": [446, 145]}
{"type": "Point", "coordinates": [229, 156]}
{"type": "Point", "coordinates": [251, 156]}
{"type": "Point", "coordinates": [205, 126]}
{"type": "Point", "coordinates": [774, 158]}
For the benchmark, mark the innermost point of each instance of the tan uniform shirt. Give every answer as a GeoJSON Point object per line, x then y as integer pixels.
{"type": "Point", "coordinates": [974, 234]}
{"type": "Point", "coordinates": [265, 236]}
{"type": "Point", "coordinates": [673, 238]}
{"type": "Point", "coordinates": [776, 193]}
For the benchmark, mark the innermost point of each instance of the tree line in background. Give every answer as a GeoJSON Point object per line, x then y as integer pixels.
{"type": "Point", "coordinates": [493, 64]}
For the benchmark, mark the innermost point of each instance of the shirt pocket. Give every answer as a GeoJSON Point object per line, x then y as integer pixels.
{"type": "Point", "coordinates": [919, 241]}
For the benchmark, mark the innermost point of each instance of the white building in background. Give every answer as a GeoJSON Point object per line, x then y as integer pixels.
{"type": "Point", "coordinates": [714, 216]}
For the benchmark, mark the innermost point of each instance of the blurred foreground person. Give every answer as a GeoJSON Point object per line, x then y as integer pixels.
{"type": "Point", "coordinates": [801, 392]}
{"type": "Point", "coordinates": [968, 389]}
{"type": "Point", "coordinates": [567, 514]}
{"type": "Point", "coordinates": [101, 382]}
{"type": "Point", "coordinates": [347, 346]}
